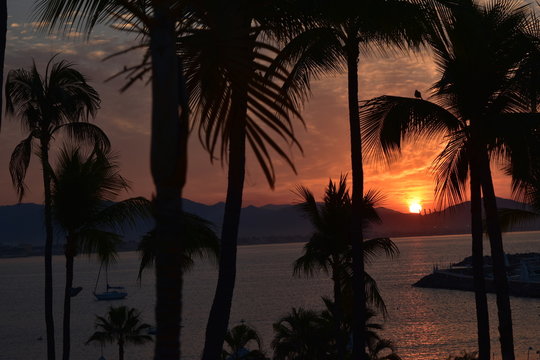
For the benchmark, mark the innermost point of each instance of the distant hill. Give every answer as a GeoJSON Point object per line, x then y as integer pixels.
{"type": "Point", "coordinates": [23, 223]}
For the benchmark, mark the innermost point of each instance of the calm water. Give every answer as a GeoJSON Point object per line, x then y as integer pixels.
{"type": "Point", "coordinates": [425, 323]}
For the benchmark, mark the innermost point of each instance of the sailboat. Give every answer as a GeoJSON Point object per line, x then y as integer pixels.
{"type": "Point", "coordinates": [111, 292]}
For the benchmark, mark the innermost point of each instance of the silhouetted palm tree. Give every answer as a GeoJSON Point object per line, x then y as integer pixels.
{"type": "Point", "coordinates": [82, 189]}
{"type": "Point", "coordinates": [157, 20]}
{"type": "Point", "coordinates": [61, 101]}
{"type": "Point", "coordinates": [242, 100]}
{"type": "Point", "coordinates": [238, 340]}
{"type": "Point", "coordinates": [308, 334]}
{"type": "Point", "coordinates": [477, 101]}
{"type": "Point", "coordinates": [123, 326]}
{"type": "Point", "coordinates": [341, 33]}
{"type": "Point", "coordinates": [329, 248]}
{"type": "Point", "coordinates": [200, 241]}
{"type": "Point", "coordinates": [301, 335]}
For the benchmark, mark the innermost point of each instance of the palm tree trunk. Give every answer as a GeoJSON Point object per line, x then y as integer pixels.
{"type": "Point", "coordinates": [341, 342]}
{"type": "Point", "coordinates": [497, 255]}
{"type": "Point", "coordinates": [218, 319]}
{"type": "Point", "coordinates": [356, 234]}
{"type": "Point", "coordinates": [70, 254]}
{"type": "Point", "coordinates": [120, 350]}
{"type": "Point", "coordinates": [168, 166]}
{"type": "Point", "coordinates": [482, 315]}
{"type": "Point", "coordinates": [3, 32]}
{"type": "Point", "coordinates": [49, 319]}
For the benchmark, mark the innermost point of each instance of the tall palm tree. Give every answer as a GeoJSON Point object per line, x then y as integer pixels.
{"type": "Point", "coordinates": [61, 101]}
{"type": "Point", "coordinates": [83, 187]}
{"type": "Point", "coordinates": [477, 101]}
{"type": "Point", "coordinates": [123, 326]}
{"type": "Point", "coordinates": [241, 99]}
{"type": "Point", "coordinates": [237, 341]}
{"type": "Point", "coordinates": [342, 32]}
{"type": "Point", "coordinates": [329, 248]}
{"type": "Point", "coordinates": [168, 155]}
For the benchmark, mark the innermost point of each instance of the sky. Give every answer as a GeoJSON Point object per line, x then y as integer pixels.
{"type": "Point", "coordinates": [125, 117]}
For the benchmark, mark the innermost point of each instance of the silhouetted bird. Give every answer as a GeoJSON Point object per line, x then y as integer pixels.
{"type": "Point", "coordinates": [417, 94]}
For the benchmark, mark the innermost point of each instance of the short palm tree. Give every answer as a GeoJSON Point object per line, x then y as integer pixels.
{"type": "Point", "coordinates": [301, 335]}
{"type": "Point", "coordinates": [329, 249]}
{"type": "Point", "coordinates": [59, 102]}
{"type": "Point", "coordinates": [121, 325]}
{"type": "Point", "coordinates": [479, 104]}
{"type": "Point", "coordinates": [83, 188]}
{"type": "Point", "coordinates": [238, 341]}
{"type": "Point", "coordinates": [308, 334]}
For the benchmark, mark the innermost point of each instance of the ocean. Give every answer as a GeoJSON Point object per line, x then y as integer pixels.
{"type": "Point", "coordinates": [425, 324]}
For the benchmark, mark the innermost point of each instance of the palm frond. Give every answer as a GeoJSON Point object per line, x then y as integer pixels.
{"type": "Point", "coordinates": [451, 170]}
{"type": "Point", "coordinates": [389, 120]}
{"type": "Point", "coordinates": [509, 218]}
{"type": "Point", "coordinates": [102, 243]}
{"type": "Point", "coordinates": [374, 247]}
{"type": "Point", "coordinates": [200, 241]}
{"type": "Point", "coordinates": [18, 165]}
{"type": "Point", "coordinates": [85, 133]}
{"type": "Point", "coordinates": [122, 215]}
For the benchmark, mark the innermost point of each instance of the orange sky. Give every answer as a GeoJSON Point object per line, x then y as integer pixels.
{"type": "Point", "coordinates": [125, 118]}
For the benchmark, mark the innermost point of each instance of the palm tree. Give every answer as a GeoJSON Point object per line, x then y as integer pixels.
{"type": "Point", "coordinates": [241, 99]}
{"type": "Point", "coordinates": [308, 334]}
{"type": "Point", "coordinates": [237, 341]}
{"type": "Point", "coordinates": [83, 187]}
{"type": "Point", "coordinates": [60, 102]}
{"type": "Point", "coordinates": [329, 248]}
{"type": "Point", "coordinates": [301, 335]}
{"type": "Point", "coordinates": [200, 241]}
{"type": "Point", "coordinates": [123, 326]}
{"type": "Point", "coordinates": [340, 33]}
{"type": "Point", "coordinates": [168, 154]}
{"type": "Point", "coordinates": [478, 103]}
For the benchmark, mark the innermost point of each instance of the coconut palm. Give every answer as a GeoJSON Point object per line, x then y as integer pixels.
{"type": "Point", "coordinates": [158, 20]}
{"type": "Point", "coordinates": [329, 248]}
{"type": "Point", "coordinates": [238, 340]}
{"type": "Point", "coordinates": [343, 32]}
{"type": "Point", "coordinates": [122, 325]}
{"type": "Point", "coordinates": [241, 100]}
{"type": "Point", "coordinates": [59, 102]}
{"type": "Point", "coordinates": [83, 188]}
{"type": "Point", "coordinates": [477, 102]}
{"type": "Point", "coordinates": [308, 334]}
{"type": "Point", "coordinates": [301, 335]}
{"type": "Point", "coordinates": [200, 241]}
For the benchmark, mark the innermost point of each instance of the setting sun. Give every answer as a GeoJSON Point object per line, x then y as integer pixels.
{"type": "Point", "coordinates": [415, 208]}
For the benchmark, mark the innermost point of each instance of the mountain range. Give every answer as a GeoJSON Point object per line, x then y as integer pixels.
{"type": "Point", "coordinates": [23, 223]}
